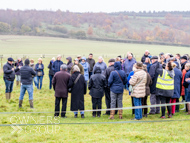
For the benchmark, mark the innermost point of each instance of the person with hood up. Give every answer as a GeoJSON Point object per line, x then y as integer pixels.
{"type": "Point", "coordinates": [86, 68]}
{"type": "Point", "coordinates": [78, 89]}
{"type": "Point", "coordinates": [26, 73]}
{"type": "Point", "coordinates": [69, 64]}
{"type": "Point", "coordinates": [165, 86]}
{"type": "Point", "coordinates": [51, 72]}
{"type": "Point", "coordinates": [76, 62]}
{"type": "Point", "coordinates": [100, 64]}
{"type": "Point", "coordinates": [96, 86]}
{"type": "Point", "coordinates": [116, 82]}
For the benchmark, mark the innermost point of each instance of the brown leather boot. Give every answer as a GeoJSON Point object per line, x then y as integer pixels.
{"type": "Point", "coordinates": [188, 107]}
{"type": "Point", "coordinates": [20, 103]}
{"type": "Point", "coordinates": [112, 113]}
{"type": "Point", "coordinates": [31, 103]}
{"type": "Point", "coordinates": [120, 114]}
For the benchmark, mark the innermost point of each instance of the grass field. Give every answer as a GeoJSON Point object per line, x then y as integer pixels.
{"type": "Point", "coordinates": [176, 131]}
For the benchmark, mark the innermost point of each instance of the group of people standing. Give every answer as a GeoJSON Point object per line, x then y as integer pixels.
{"type": "Point", "coordinates": [165, 78]}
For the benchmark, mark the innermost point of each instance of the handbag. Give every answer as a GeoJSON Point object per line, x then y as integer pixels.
{"type": "Point", "coordinates": [70, 89]}
{"type": "Point", "coordinates": [39, 73]}
{"type": "Point", "coordinates": [131, 88]}
{"type": "Point", "coordinates": [119, 76]}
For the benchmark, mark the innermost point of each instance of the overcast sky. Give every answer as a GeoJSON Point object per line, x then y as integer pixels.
{"type": "Point", "coordinates": [98, 5]}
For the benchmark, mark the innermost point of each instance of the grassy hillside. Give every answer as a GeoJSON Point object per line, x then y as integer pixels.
{"type": "Point", "coordinates": [176, 131]}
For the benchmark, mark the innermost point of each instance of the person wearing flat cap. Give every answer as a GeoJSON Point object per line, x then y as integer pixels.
{"type": "Point", "coordinates": [9, 77]}
{"type": "Point", "coordinates": [76, 62]}
{"type": "Point", "coordinates": [79, 58]}
{"type": "Point", "coordinates": [154, 75]}
{"type": "Point", "coordinates": [107, 73]}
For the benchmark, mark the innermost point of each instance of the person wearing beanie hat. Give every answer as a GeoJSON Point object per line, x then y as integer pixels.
{"type": "Point", "coordinates": [138, 82]}
{"type": "Point", "coordinates": [107, 73]}
{"type": "Point", "coordinates": [183, 62]}
{"type": "Point", "coordinates": [26, 73]}
{"type": "Point", "coordinates": [9, 76]}
{"type": "Point", "coordinates": [76, 62]}
{"type": "Point", "coordinates": [78, 89]}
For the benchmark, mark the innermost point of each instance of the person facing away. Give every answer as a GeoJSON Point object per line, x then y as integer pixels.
{"type": "Point", "coordinates": [51, 72]}
{"type": "Point", "coordinates": [17, 74]}
{"type": "Point", "coordinates": [96, 86]}
{"type": "Point", "coordinates": [78, 89]}
{"type": "Point", "coordinates": [100, 64]}
{"type": "Point", "coordinates": [165, 86]}
{"type": "Point", "coordinates": [26, 73]}
{"type": "Point", "coordinates": [107, 73]}
{"type": "Point", "coordinates": [116, 82]}
{"type": "Point", "coordinates": [9, 77]}
{"type": "Point", "coordinates": [57, 64]}
{"type": "Point", "coordinates": [91, 62]}
{"type": "Point", "coordinates": [39, 68]}
{"type": "Point", "coordinates": [69, 64]}
{"type": "Point", "coordinates": [138, 82]}
{"type": "Point", "coordinates": [60, 85]}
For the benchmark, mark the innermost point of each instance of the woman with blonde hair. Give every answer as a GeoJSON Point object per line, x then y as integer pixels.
{"type": "Point", "coordinates": [39, 68]}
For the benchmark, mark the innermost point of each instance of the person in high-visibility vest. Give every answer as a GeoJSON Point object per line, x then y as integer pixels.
{"type": "Point", "coordinates": [165, 86]}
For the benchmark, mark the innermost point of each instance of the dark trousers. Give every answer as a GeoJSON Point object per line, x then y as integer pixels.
{"type": "Point", "coordinates": [96, 104]}
{"type": "Point", "coordinates": [90, 73]}
{"type": "Point", "coordinates": [107, 99]}
{"type": "Point", "coordinates": [165, 100]}
{"type": "Point", "coordinates": [50, 81]}
{"type": "Point", "coordinates": [144, 103]}
{"type": "Point", "coordinates": [57, 106]}
{"type": "Point", "coordinates": [177, 106]}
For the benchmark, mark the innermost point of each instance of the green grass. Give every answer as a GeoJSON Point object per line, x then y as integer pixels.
{"type": "Point", "coordinates": [177, 131]}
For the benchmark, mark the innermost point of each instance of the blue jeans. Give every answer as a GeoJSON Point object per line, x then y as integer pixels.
{"type": "Point", "coordinates": [39, 81]}
{"type": "Point", "coordinates": [9, 86]}
{"type": "Point", "coordinates": [50, 81]}
{"type": "Point", "coordinates": [35, 80]}
{"type": "Point", "coordinates": [23, 89]}
{"type": "Point", "coordinates": [82, 112]}
{"type": "Point", "coordinates": [138, 112]}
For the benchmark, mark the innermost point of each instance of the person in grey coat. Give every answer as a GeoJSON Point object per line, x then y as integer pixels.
{"type": "Point", "coordinates": [69, 64]}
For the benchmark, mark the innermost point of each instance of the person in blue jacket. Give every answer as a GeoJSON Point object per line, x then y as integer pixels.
{"type": "Point", "coordinates": [57, 64]}
{"type": "Point", "coordinates": [86, 68]}
{"type": "Point", "coordinates": [39, 68]}
{"type": "Point", "coordinates": [116, 82]}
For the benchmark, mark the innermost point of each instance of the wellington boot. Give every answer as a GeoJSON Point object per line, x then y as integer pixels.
{"type": "Point", "coordinates": [20, 103]}
{"type": "Point", "coordinates": [120, 114]}
{"type": "Point", "coordinates": [7, 96]}
{"type": "Point", "coordinates": [31, 103]}
{"type": "Point", "coordinates": [112, 113]}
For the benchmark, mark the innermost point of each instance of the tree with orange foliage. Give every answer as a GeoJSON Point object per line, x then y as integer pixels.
{"type": "Point", "coordinates": [90, 30]}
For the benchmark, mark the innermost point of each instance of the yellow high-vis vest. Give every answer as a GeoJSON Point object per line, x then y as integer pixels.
{"type": "Point", "coordinates": [165, 82]}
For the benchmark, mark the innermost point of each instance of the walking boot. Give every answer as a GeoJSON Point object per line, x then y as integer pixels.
{"type": "Point", "coordinates": [188, 106]}
{"type": "Point", "coordinates": [31, 103]}
{"type": "Point", "coordinates": [20, 103]}
{"type": "Point", "coordinates": [112, 113]}
{"type": "Point", "coordinates": [7, 96]}
{"type": "Point", "coordinates": [120, 114]}
{"type": "Point", "coordinates": [17, 83]}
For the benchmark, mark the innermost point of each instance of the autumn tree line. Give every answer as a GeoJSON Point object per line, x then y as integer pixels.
{"type": "Point", "coordinates": [167, 27]}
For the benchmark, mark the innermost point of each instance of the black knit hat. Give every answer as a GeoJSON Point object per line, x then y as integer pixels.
{"type": "Point", "coordinates": [184, 57]}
